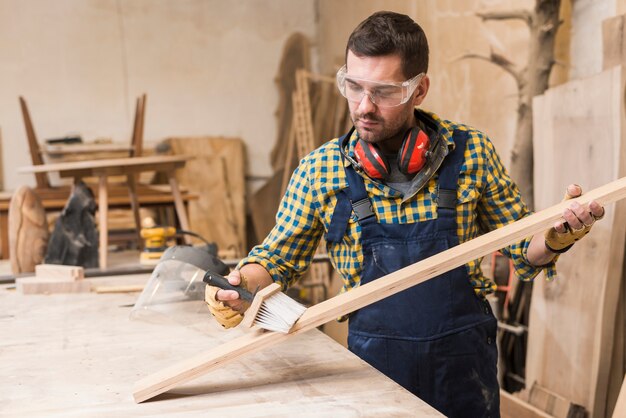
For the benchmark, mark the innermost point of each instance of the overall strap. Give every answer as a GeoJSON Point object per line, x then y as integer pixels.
{"type": "Point", "coordinates": [353, 198]}
{"type": "Point", "coordinates": [449, 180]}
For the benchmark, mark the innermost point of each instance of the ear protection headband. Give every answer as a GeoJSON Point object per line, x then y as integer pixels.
{"type": "Point", "coordinates": [411, 157]}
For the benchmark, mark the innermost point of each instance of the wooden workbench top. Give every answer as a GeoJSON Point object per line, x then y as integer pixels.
{"type": "Point", "coordinates": [79, 355]}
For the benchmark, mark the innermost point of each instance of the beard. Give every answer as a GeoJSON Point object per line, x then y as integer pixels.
{"type": "Point", "coordinates": [373, 128]}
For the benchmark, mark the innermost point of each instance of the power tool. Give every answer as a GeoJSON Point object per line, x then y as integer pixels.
{"type": "Point", "coordinates": [155, 243]}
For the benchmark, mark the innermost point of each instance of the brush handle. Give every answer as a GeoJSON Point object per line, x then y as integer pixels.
{"type": "Point", "coordinates": [214, 279]}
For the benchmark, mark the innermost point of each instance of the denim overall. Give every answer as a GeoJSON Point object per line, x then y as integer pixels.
{"type": "Point", "coordinates": [436, 339]}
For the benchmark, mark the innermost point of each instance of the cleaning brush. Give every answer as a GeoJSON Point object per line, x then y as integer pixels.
{"type": "Point", "coordinates": [269, 308]}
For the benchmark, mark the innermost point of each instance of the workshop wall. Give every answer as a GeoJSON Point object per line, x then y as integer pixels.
{"type": "Point", "coordinates": [207, 67]}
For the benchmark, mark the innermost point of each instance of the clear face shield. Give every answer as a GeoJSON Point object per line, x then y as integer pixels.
{"type": "Point", "coordinates": [175, 291]}
{"type": "Point", "coordinates": [383, 94]}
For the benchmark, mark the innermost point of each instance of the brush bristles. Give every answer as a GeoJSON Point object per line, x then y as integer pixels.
{"type": "Point", "coordinates": [278, 313]}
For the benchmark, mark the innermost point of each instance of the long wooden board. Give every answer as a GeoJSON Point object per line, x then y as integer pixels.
{"type": "Point", "coordinates": [372, 292]}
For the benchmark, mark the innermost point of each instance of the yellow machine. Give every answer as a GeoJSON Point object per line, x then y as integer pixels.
{"type": "Point", "coordinates": [155, 243]}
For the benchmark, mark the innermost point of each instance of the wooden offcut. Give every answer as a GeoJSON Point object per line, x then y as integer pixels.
{"type": "Point", "coordinates": [54, 278]}
{"type": "Point", "coordinates": [59, 272]}
{"type": "Point", "coordinates": [371, 292]}
{"type": "Point", "coordinates": [35, 285]}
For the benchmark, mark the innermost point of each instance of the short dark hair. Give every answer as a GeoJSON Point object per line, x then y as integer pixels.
{"type": "Point", "coordinates": [388, 33]}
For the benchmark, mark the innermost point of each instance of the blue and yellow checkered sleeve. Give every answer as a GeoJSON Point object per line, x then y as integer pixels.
{"type": "Point", "coordinates": [502, 204]}
{"type": "Point", "coordinates": [288, 250]}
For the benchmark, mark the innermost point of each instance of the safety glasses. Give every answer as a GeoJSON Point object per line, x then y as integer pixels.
{"type": "Point", "coordinates": [381, 94]}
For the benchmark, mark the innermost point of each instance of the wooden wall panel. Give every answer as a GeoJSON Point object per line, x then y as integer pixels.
{"type": "Point", "coordinates": [579, 137]}
{"type": "Point", "coordinates": [217, 176]}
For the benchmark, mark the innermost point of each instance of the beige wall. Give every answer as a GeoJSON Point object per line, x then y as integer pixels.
{"type": "Point", "coordinates": [207, 67]}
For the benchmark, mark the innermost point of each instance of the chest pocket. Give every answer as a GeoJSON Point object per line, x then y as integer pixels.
{"type": "Point", "coordinates": [467, 196]}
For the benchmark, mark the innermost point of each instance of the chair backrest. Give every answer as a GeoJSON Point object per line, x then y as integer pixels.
{"type": "Point", "coordinates": [35, 151]}
{"type": "Point", "coordinates": [137, 137]}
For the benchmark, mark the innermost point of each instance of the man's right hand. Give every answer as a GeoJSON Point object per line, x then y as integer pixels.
{"type": "Point", "coordinates": [225, 305]}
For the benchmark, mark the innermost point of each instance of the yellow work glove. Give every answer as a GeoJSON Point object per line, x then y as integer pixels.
{"type": "Point", "coordinates": [559, 242]}
{"type": "Point", "coordinates": [224, 314]}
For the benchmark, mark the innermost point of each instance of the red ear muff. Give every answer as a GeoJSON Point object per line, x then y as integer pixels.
{"type": "Point", "coordinates": [371, 160]}
{"type": "Point", "coordinates": [412, 155]}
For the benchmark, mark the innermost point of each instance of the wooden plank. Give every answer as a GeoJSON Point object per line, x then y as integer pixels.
{"type": "Point", "coordinates": [103, 226]}
{"type": "Point", "coordinates": [36, 285]}
{"type": "Point", "coordinates": [181, 210]}
{"type": "Point", "coordinates": [217, 176]}
{"type": "Point", "coordinates": [551, 402]}
{"type": "Point", "coordinates": [620, 406]}
{"type": "Point", "coordinates": [119, 288]}
{"type": "Point", "coordinates": [579, 136]}
{"type": "Point", "coordinates": [296, 54]}
{"type": "Point", "coordinates": [58, 150]}
{"type": "Point", "coordinates": [126, 163]}
{"type": "Point", "coordinates": [613, 42]}
{"type": "Point", "coordinates": [59, 272]}
{"type": "Point", "coordinates": [371, 292]}
{"type": "Point", "coordinates": [513, 407]}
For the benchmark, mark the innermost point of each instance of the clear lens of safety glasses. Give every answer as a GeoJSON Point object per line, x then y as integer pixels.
{"type": "Point", "coordinates": [381, 94]}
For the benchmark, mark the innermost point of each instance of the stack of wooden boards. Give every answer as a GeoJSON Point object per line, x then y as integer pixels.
{"type": "Point", "coordinates": [217, 177]}
{"type": "Point", "coordinates": [576, 329]}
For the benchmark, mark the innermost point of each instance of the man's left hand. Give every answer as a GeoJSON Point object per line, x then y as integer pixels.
{"type": "Point", "coordinates": [577, 222]}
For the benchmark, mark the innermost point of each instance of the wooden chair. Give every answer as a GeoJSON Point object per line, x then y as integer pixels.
{"type": "Point", "coordinates": [36, 154]}
{"type": "Point", "coordinates": [136, 149]}
{"type": "Point", "coordinates": [121, 195]}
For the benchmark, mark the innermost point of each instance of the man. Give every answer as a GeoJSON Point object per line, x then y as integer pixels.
{"type": "Point", "coordinates": [401, 186]}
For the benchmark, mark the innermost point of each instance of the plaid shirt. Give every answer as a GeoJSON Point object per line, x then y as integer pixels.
{"type": "Point", "coordinates": [487, 200]}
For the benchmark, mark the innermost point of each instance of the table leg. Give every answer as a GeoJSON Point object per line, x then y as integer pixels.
{"type": "Point", "coordinates": [4, 234]}
{"type": "Point", "coordinates": [179, 205]}
{"type": "Point", "coordinates": [134, 205]}
{"type": "Point", "coordinates": [103, 209]}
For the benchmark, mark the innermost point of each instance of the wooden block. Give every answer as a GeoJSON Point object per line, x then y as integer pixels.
{"type": "Point", "coordinates": [58, 272]}
{"type": "Point", "coordinates": [613, 42]}
{"type": "Point", "coordinates": [35, 285]}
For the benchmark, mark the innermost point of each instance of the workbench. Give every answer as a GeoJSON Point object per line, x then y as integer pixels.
{"type": "Point", "coordinates": [128, 167]}
{"type": "Point", "coordinates": [79, 355]}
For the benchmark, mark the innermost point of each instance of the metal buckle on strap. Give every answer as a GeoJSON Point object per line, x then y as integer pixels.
{"type": "Point", "coordinates": [447, 199]}
{"type": "Point", "coordinates": [363, 209]}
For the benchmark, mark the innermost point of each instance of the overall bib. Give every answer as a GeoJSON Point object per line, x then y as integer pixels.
{"type": "Point", "coordinates": [436, 339]}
